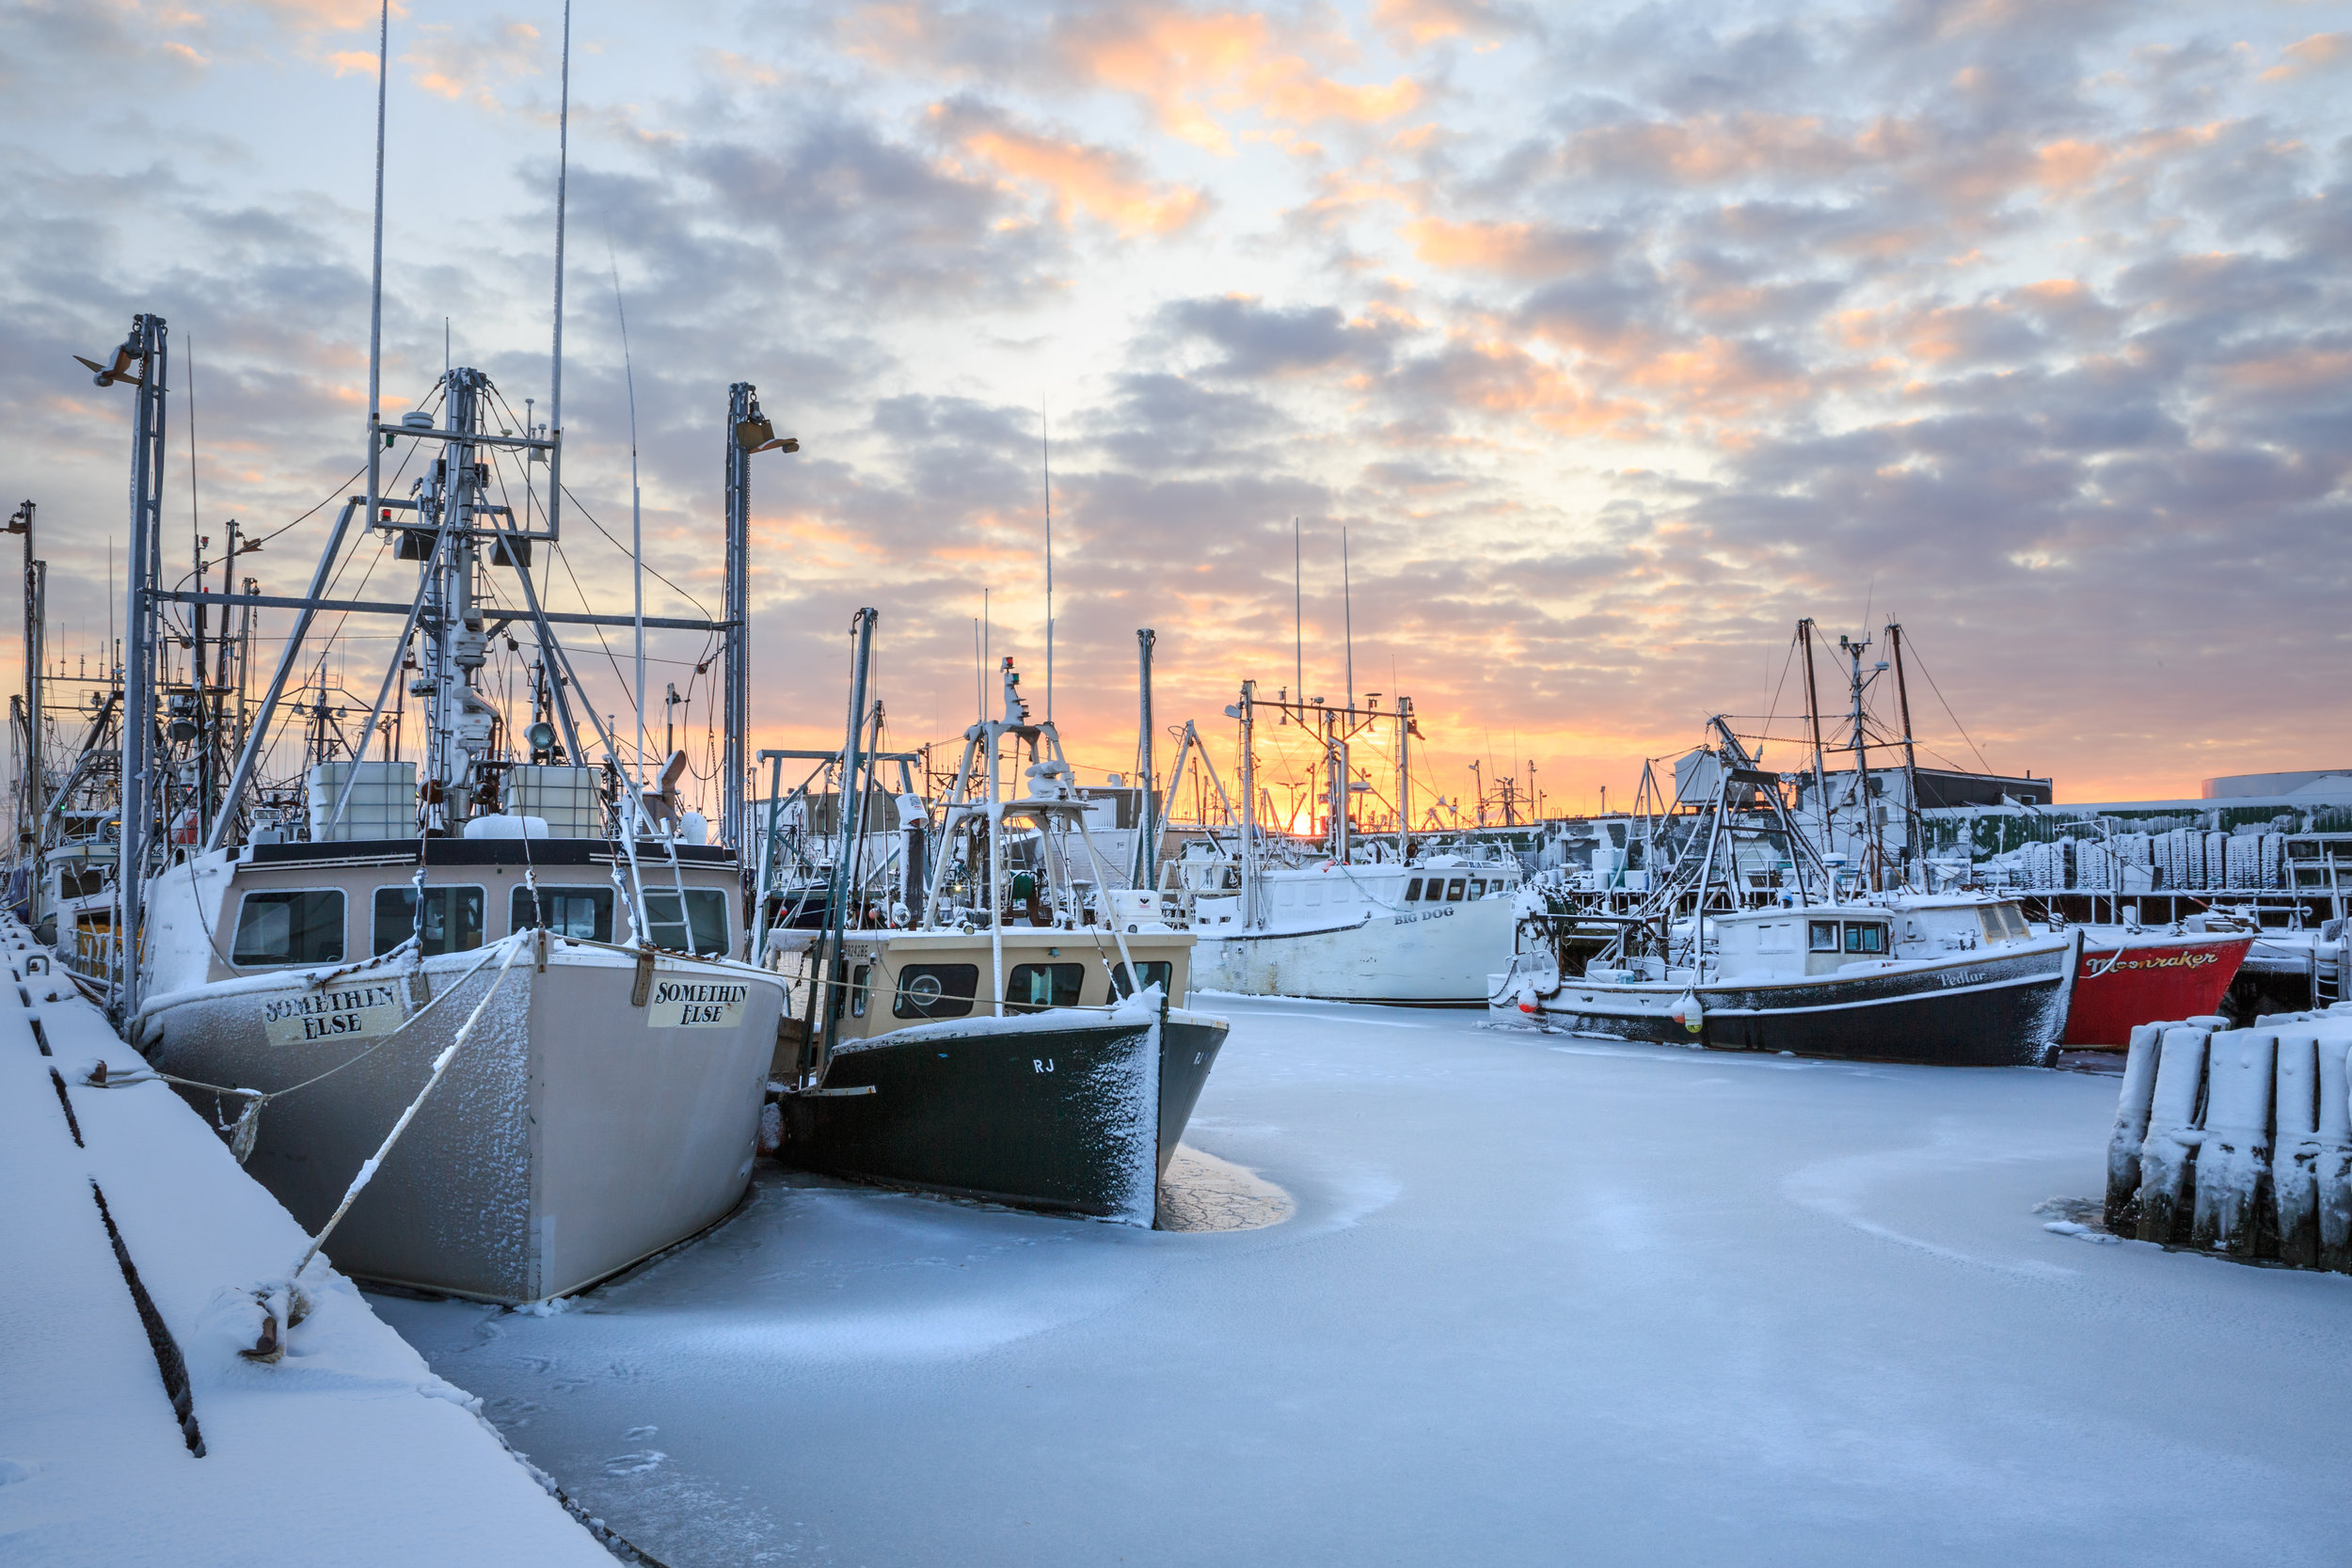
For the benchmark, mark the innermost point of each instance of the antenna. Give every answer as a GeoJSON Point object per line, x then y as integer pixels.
{"type": "Point", "coordinates": [555, 371]}
{"type": "Point", "coordinates": [1347, 610]}
{"type": "Point", "coordinates": [1298, 619]}
{"type": "Point", "coordinates": [1046, 440]}
{"type": "Point", "coordinates": [375, 285]}
{"type": "Point", "coordinates": [636, 511]}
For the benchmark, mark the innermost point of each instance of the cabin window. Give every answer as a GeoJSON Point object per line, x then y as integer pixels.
{"type": "Point", "coordinates": [858, 977]}
{"type": "Point", "coordinates": [582, 914]}
{"type": "Point", "coordinates": [304, 928]}
{"type": "Point", "coordinates": [1866, 939]}
{"type": "Point", "coordinates": [1779, 937]}
{"type": "Point", "coordinates": [2015, 919]}
{"type": "Point", "coordinates": [452, 919]}
{"type": "Point", "coordinates": [1478, 889]}
{"type": "Point", "coordinates": [706, 911]}
{"type": "Point", "coordinates": [1453, 890]}
{"type": "Point", "coordinates": [1314, 895]}
{"type": "Point", "coordinates": [1160, 975]}
{"type": "Point", "coordinates": [1285, 894]}
{"type": "Point", "coordinates": [1412, 890]}
{"type": "Point", "coordinates": [936, 990]}
{"type": "Point", "coordinates": [1032, 987]}
{"type": "Point", "coordinates": [1821, 936]}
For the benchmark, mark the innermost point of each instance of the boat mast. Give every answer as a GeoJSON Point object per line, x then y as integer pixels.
{"type": "Point", "coordinates": [1913, 847]}
{"type": "Point", "coordinates": [1147, 835]}
{"type": "Point", "coordinates": [1813, 720]}
{"type": "Point", "coordinates": [1860, 747]}
{"type": "Point", "coordinates": [1251, 893]}
{"type": "Point", "coordinates": [823, 1005]}
{"type": "Point", "coordinates": [1404, 782]}
{"type": "Point", "coordinates": [146, 346]}
{"type": "Point", "coordinates": [29, 787]}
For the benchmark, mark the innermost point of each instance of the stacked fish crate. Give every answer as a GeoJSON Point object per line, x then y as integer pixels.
{"type": "Point", "coordinates": [2239, 1141]}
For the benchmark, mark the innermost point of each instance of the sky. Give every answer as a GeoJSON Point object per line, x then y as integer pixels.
{"type": "Point", "coordinates": [1581, 350]}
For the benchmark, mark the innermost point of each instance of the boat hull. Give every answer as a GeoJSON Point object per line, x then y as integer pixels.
{"type": "Point", "coordinates": [1438, 956]}
{"type": "Point", "coordinates": [2007, 1012]}
{"type": "Point", "coordinates": [1066, 1111]}
{"type": "Point", "coordinates": [2127, 978]}
{"type": "Point", "coordinates": [570, 1138]}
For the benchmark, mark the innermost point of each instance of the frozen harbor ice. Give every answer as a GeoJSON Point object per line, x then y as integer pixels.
{"type": "Point", "coordinates": [1541, 1299]}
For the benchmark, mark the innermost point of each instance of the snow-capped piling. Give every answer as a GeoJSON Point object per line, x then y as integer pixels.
{"type": "Point", "coordinates": [2131, 1124]}
{"type": "Point", "coordinates": [2295, 1158]}
{"type": "Point", "coordinates": [2238, 1142]}
{"type": "Point", "coordinates": [2332, 1172]}
{"type": "Point", "coordinates": [2173, 1135]}
{"type": "Point", "coordinates": [2240, 1069]}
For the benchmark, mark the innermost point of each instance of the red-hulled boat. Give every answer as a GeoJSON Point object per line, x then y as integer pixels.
{"type": "Point", "coordinates": [2134, 977]}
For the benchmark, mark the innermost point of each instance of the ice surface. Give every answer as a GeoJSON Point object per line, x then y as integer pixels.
{"type": "Point", "coordinates": [1541, 1300]}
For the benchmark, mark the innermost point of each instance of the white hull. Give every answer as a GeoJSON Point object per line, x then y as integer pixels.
{"type": "Point", "coordinates": [1436, 954]}
{"type": "Point", "coordinates": [575, 1133]}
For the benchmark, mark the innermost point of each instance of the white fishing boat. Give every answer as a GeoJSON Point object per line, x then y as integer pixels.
{"type": "Point", "coordinates": [483, 1011]}
{"type": "Point", "coordinates": [1361, 919]}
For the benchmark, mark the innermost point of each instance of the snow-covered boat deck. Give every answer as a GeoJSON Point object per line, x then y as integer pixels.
{"type": "Point", "coordinates": [347, 1450]}
{"type": "Point", "coordinates": [1542, 1299]}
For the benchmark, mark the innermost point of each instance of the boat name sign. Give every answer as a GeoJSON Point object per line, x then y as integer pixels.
{"type": "Point", "coordinates": [337, 1012]}
{"type": "Point", "coordinates": [696, 1004]}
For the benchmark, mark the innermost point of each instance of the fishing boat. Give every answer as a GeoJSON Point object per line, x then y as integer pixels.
{"type": "Point", "coordinates": [2130, 976]}
{"type": "Point", "coordinates": [1357, 918]}
{"type": "Point", "coordinates": [1812, 971]}
{"type": "Point", "coordinates": [483, 1011]}
{"type": "Point", "coordinates": [1023, 1038]}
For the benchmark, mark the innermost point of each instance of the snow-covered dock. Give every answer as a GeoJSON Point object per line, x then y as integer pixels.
{"type": "Point", "coordinates": [1540, 1299]}
{"type": "Point", "coordinates": [132, 1429]}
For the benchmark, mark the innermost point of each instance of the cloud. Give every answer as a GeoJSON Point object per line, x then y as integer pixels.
{"type": "Point", "coordinates": [1106, 184]}
{"type": "Point", "coordinates": [1258, 339]}
{"type": "Point", "coordinates": [1197, 69]}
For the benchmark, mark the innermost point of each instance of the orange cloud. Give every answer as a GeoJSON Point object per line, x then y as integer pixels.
{"type": "Point", "coordinates": [2314, 53]}
{"type": "Point", "coordinates": [452, 64]}
{"type": "Point", "coordinates": [1512, 249]}
{"type": "Point", "coordinates": [1195, 69]}
{"type": "Point", "coordinates": [1105, 183]}
{"type": "Point", "coordinates": [2069, 165]}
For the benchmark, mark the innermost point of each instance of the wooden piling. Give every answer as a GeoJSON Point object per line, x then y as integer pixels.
{"type": "Point", "coordinates": [2295, 1151]}
{"type": "Point", "coordinates": [2234, 1156]}
{"type": "Point", "coordinates": [2170, 1147]}
{"type": "Point", "coordinates": [2131, 1128]}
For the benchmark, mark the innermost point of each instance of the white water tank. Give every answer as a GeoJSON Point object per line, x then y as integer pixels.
{"type": "Point", "coordinates": [382, 805]}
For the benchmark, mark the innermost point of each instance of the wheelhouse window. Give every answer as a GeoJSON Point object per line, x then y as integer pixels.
{"type": "Point", "coordinates": [1162, 974]}
{"type": "Point", "coordinates": [2015, 918]}
{"type": "Point", "coordinates": [582, 914]}
{"type": "Point", "coordinates": [305, 927]}
{"type": "Point", "coordinates": [1453, 890]}
{"type": "Point", "coordinates": [1821, 936]}
{"type": "Point", "coordinates": [1478, 889]}
{"type": "Point", "coordinates": [1034, 987]}
{"type": "Point", "coordinates": [936, 990]}
{"type": "Point", "coordinates": [1412, 890]}
{"type": "Point", "coordinates": [452, 919]}
{"type": "Point", "coordinates": [1866, 937]}
{"type": "Point", "coordinates": [703, 929]}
